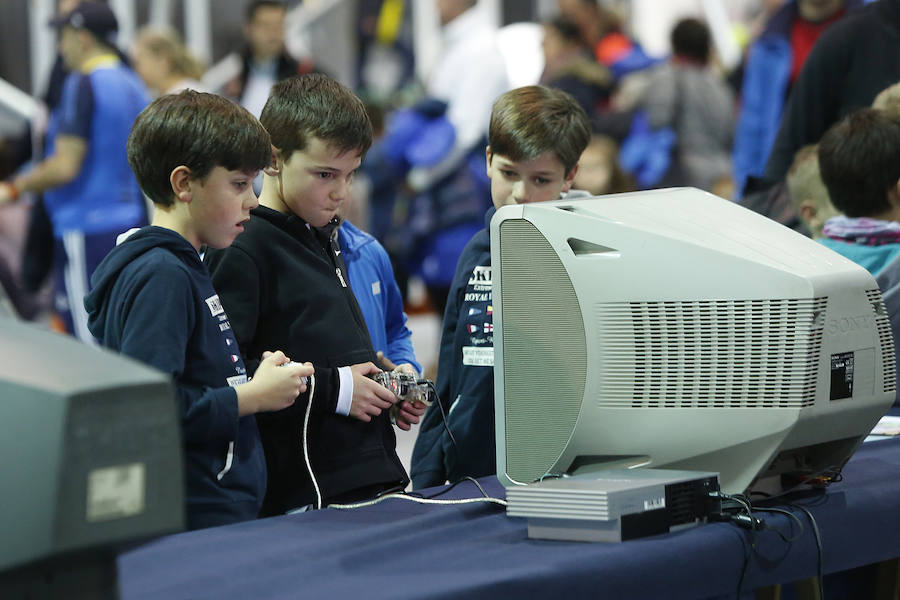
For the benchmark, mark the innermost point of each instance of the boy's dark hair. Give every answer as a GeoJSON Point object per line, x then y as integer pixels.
{"type": "Point", "coordinates": [690, 38]}
{"type": "Point", "coordinates": [529, 121]}
{"type": "Point", "coordinates": [198, 130]}
{"type": "Point", "coordinates": [859, 158]}
{"type": "Point", "coordinates": [255, 5]}
{"type": "Point", "coordinates": [314, 105]}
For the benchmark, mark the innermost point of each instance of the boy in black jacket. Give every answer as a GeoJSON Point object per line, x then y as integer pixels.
{"type": "Point", "coordinates": [195, 155]}
{"type": "Point", "coordinates": [284, 284]}
{"type": "Point", "coordinates": [536, 137]}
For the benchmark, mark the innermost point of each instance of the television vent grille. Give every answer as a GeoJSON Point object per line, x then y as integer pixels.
{"type": "Point", "coordinates": [710, 354]}
{"type": "Point", "coordinates": [886, 339]}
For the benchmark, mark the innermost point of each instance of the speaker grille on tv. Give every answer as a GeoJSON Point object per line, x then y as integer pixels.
{"type": "Point", "coordinates": [546, 383]}
{"type": "Point", "coordinates": [710, 354]}
{"type": "Point", "coordinates": [886, 339]}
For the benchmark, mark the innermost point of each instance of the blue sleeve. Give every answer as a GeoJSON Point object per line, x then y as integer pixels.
{"type": "Point", "coordinates": [77, 107]}
{"type": "Point", "coordinates": [399, 337]}
{"type": "Point", "coordinates": [156, 330]}
{"type": "Point", "coordinates": [763, 91]}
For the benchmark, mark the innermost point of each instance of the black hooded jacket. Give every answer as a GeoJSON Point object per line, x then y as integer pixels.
{"type": "Point", "coordinates": [285, 287]}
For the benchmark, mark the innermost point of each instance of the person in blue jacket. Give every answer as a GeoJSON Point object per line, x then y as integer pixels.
{"type": "Point", "coordinates": [195, 155]}
{"type": "Point", "coordinates": [90, 193]}
{"type": "Point", "coordinates": [536, 136]}
{"type": "Point", "coordinates": [773, 63]}
{"type": "Point", "coordinates": [372, 280]}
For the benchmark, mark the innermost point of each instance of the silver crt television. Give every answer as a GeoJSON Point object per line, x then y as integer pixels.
{"type": "Point", "coordinates": [674, 329]}
{"type": "Point", "coordinates": [92, 463]}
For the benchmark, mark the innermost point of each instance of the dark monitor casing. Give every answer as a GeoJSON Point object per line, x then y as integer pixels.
{"type": "Point", "coordinates": [92, 462]}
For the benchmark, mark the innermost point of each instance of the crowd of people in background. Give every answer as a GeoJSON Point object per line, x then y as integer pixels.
{"type": "Point", "coordinates": [658, 121]}
{"type": "Point", "coordinates": [806, 130]}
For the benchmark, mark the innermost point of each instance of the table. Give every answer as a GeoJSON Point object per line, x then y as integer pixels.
{"type": "Point", "coordinates": [399, 549]}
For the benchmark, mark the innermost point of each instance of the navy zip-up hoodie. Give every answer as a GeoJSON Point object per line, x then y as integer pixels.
{"type": "Point", "coordinates": [152, 299]}
{"type": "Point", "coordinates": [465, 381]}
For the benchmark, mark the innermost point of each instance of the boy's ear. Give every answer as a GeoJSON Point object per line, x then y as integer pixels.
{"type": "Point", "coordinates": [180, 179]}
{"type": "Point", "coordinates": [488, 155]}
{"type": "Point", "coordinates": [570, 178]}
{"type": "Point", "coordinates": [808, 210]}
{"type": "Point", "coordinates": [275, 164]}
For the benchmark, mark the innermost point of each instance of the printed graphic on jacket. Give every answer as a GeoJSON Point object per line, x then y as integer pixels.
{"type": "Point", "coordinates": [479, 319]}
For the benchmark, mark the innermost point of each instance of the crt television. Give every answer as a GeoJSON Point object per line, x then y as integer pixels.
{"type": "Point", "coordinates": [674, 329]}
{"type": "Point", "coordinates": [92, 462]}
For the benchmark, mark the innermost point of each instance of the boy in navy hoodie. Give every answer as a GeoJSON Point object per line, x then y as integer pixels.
{"type": "Point", "coordinates": [536, 137]}
{"type": "Point", "coordinates": [195, 155]}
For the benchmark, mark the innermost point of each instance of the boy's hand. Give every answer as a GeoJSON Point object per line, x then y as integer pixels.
{"type": "Point", "coordinates": [408, 414]}
{"type": "Point", "coordinates": [405, 367]}
{"type": "Point", "coordinates": [369, 396]}
{"type": "Point", "coordinates": [273, 387]}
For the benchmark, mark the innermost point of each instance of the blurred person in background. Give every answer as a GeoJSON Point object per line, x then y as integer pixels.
{"type": "Point", "coordinates": [773, 63]}
{"type": "Point", "coordinates": [807, 192]}
{"type": "Point", "coordinates": [164, 62]}
{"type": "Point", "coordinates": [570, 66]}
{"type": "Point", "coordinates": [467, 77]}
{"type": "Point", "coordinates": [34, 253]}
{"type": "Point", "coordinates": [601, 29]}
{"type": "Point", "coordinates": [264, 60]}
{"type": "Point", "coordinates": [852, 61]}
{"type": "Point", "coordinates": [888, 100]}
{"type": "Point", "coordinates": [90, 191]}
{"type": "Point", "coordinates": [448, 192]}
{"type": "Point", "coordinates": [685, 94]}
{"type": "Point", "coordinates": [599, 171]}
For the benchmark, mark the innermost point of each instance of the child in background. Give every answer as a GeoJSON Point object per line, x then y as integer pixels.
{"type": "Point", "coordinates": [599, 171]}
{"type": "Point", "coordinates": [807, 192]}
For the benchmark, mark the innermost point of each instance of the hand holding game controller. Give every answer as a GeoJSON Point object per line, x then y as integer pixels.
{"type": "Point", "coordinates": [291, 363]}
{"type": "Point", "coordinates": [409, 389]}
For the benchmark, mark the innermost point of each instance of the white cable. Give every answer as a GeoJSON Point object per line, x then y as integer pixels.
{"type": "Point", "coordinates": [312, 389]}
{"type": "Point", "coordinates": [404, 496]}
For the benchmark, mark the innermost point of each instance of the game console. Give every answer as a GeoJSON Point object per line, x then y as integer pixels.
{"type": "Point", "coordinates": [615, 505]}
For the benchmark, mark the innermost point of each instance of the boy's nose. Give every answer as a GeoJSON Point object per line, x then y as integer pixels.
{"type": "Point", "coordinates": [251, 201]}
{"type": "Point", "coordinates": [341, 190]}
{"type": "Point", "coordinates": [519, 191]}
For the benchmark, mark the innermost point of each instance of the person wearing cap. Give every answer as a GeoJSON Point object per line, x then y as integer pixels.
{"type": "Point", "coordinates": [89, 190]}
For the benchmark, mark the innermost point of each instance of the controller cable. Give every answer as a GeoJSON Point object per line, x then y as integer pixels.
{"type": "Point", "coordinates": [309, 469]}
{"type": "Point", "coordinates": [414, 497]}
{"type": "Point", "coordinates": [443, 414]}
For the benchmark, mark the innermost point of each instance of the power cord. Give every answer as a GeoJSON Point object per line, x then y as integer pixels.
{"type": "Point", "coordinates": [738, 509]}
{"type": "Point", "coordinates": [815, 528]}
